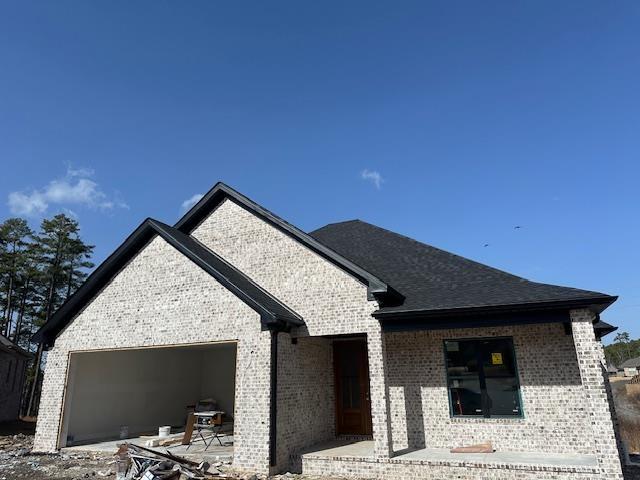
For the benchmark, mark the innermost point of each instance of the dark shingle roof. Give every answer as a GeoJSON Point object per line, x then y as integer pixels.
{"type": "Point", "coordinates": [434, 280]}
{"type": "Point", "coordinates": [7, 345]}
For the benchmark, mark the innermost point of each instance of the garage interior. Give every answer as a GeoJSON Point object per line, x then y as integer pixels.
{"type": "Point", "coordinates": [130, 394]}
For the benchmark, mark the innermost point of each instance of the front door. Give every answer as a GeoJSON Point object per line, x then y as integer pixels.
{"type": "Point", "coordinates": [351, 370]}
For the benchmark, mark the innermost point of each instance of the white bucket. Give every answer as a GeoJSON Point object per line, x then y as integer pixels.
{"type": "Point", "coordinates": [164, 431]}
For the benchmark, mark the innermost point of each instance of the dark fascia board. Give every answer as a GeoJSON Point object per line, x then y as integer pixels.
{"type": "Point", "coordinates": [475, 321]}
{"type": "Point", "coordinates": [214, 197]}
{"type": "Point", "coordinates": [113, 264]}
{"type": "Point", "coordinates": [602, 328]}
{"type": "Point", "coordinates": [596, 304]}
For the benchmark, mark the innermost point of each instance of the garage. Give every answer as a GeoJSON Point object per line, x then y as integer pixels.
{"type": "Point", "coordinates": [130, 393]}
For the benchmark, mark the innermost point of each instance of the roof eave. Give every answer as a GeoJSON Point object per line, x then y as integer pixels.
{"type": "Point", "coordinates": [596, 304]}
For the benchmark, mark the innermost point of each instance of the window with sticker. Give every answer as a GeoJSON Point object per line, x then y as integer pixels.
{"type": "Point", "coordinates": [482, 378]}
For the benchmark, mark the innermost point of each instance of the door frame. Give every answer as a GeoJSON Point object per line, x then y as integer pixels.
{"type": "Point", "coordinates": [365, 386]}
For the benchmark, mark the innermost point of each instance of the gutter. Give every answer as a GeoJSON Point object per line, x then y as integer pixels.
{"type": "Point", "coordinates": [597, 304]}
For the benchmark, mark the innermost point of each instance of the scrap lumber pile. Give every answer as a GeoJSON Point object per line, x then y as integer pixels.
{"type": "Point", "coordinates": [140, 463]}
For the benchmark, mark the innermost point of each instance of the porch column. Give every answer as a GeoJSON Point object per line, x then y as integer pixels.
{"type": "Point", "coordinates": [378, 379]}
{"type": "Point", "coordinates": [593, 374]}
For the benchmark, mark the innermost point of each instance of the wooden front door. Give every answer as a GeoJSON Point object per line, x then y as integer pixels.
{"type": "Point", "coordinates": [351, 373]}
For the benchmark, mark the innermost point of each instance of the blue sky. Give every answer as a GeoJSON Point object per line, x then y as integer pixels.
{"type": "Point", "coordinates": [469, 118]}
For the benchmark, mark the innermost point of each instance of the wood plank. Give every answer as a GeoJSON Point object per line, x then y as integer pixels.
{"type": "Point", "coordinates": [188, 431]}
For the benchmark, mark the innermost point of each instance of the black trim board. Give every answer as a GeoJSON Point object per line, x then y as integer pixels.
{"type": "Point", "coordinates": [602, 328]}
{"type": "Point", "coordinates": [491, 319]}
{"type": "Point", "coordinates": [597, 305]}
{"type": "Point", "coordinates": [214, 197]}
{"type": "Point", "coordinates": [475, 321]}
{"type": "Point", "coordinates": [273, 313]}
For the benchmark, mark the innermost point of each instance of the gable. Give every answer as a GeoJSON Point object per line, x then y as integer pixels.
{"type": "Point", "coordinates": [159, 294]}
{"type": "Point", "coordinates": [330, 300]}
{"type": "Point", "coordinates": [273, 313]}
{"type": "Point", "coordinates": [221, 193]}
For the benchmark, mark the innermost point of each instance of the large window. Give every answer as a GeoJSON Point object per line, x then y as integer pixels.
{"type": "Point", "coordinates": [482, 378]}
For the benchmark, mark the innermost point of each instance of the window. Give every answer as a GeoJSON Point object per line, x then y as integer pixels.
{"type": "Point", "coordinates": [482, 378]}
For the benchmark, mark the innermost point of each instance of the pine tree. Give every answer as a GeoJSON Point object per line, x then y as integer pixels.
{"type": "Point", "coordinates": [63, 259]}
{"type": "Point", "coordinates": [15, 236]}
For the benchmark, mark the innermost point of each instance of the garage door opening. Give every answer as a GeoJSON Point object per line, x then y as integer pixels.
{"type": "Point", "coordinates": [112, 395]}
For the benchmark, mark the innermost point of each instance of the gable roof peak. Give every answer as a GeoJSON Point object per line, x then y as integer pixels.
{"type": "Point", "coordinates": [376, 288]}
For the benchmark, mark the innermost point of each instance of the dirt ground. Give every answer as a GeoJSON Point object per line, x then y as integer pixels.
{"type": "Point", "coordinates": [17, 461]}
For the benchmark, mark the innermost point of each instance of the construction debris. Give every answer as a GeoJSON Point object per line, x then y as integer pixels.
{"type": "Point", "coordinates": [485, 447]}
{"type": "Point", "coordinates": [135, 462]}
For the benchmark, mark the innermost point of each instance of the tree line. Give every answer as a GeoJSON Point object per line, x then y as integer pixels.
{"type": "Point", "coordinates": [622, 349]}
{"type": "Point", "coordinates": [39, 270]}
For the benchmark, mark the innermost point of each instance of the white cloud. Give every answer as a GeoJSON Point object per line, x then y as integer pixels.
{"type": "Point", "coordinates": [190, 202]}
{"type": "Point", "coordinates": [22, 204]}
{"type": "Point", "coordinates": [372, 176]}
{"type": "Point", "coordinates": [72, 189]}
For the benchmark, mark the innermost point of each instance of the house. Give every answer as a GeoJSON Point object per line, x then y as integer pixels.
{"type": "Point", "coordinates": [630, 367]}
{"type": "Point", "coordinates": [13, 367]}
{"type": "Point", "coordinates": [347, 351]}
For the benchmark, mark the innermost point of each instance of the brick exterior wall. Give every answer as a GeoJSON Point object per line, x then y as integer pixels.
{"type": "Point", "coordinates": [162, 298]}
{"type": "Point", "coordinates": [553, 400]}
{"type": "Point", "coordinates": [306, 400]}
{"type": "Point", "coordinates": [427, 470]}
{"type": "Point", "coordinates": [599, 411]}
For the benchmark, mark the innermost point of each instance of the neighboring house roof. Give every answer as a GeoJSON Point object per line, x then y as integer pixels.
{"type": "Point", "coordinates": [8, 346]}
{"type": "Point", "coordinates": [435, 282]}
{"type": "Point", "coordinates": [270, 309]}
{"type": "Point", "coordinates": [631, 363]}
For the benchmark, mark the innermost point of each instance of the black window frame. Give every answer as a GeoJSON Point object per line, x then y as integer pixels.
{"type": "Point", "coordinates": [482, 378]}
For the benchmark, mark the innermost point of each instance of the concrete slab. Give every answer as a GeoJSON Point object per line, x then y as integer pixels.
{"type": "Point", "coordinates": [196, 451]}
{"type": "Point", "coordinates": [339, 449]}
{"type": "Point", "coordinates": [342, 448]}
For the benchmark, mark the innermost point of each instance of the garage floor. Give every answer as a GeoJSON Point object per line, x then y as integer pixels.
{"type": "Point", "coordinates": [215, 453]}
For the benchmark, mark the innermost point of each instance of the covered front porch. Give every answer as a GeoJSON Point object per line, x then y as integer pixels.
{"type": "Point", "coordinates": [357, 459]}
{"type": "Point", "coordinates": [424, 394]}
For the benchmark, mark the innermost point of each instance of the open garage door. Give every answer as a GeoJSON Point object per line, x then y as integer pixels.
{"type": "Point", "coordinates": [128, 393]}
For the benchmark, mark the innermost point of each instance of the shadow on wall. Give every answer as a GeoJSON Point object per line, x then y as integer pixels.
{"type": "Point", "coordinates": [545, 356]}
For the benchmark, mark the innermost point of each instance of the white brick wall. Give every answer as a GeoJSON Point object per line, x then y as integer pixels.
{"type": "Point", "coordinates": [553, 399]}
{"type": "Point", "coordinates": [162, 298]}
{"type": "Point", "coordinates": [593, 373]}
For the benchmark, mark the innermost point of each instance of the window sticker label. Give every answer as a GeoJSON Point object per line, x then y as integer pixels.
{"type": "Point", "coordinates": [496, 358]}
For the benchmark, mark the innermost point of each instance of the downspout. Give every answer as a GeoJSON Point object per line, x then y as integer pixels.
{"type": "Point", "coordinates": [273, 404]}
